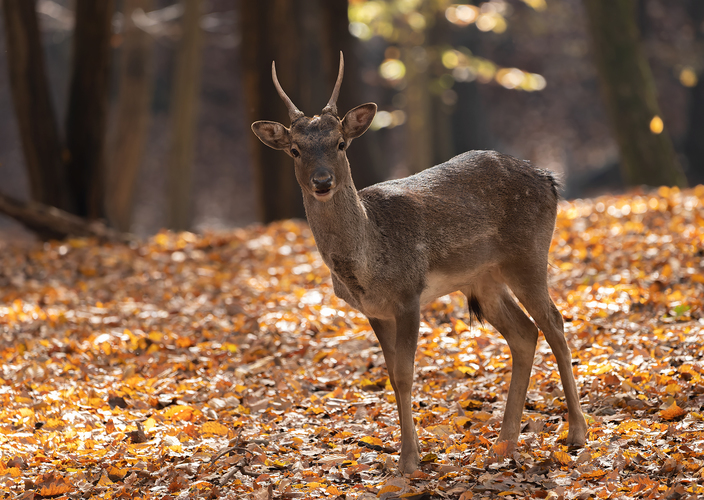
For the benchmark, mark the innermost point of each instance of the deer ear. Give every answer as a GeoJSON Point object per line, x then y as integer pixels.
{"type": "Point", "coordinates": [357, 120]}
{"type": "Point", "coordinates": [273, 134]}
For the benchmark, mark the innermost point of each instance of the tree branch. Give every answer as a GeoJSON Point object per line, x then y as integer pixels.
{"type": "Point", "coordinates": [52, 223]}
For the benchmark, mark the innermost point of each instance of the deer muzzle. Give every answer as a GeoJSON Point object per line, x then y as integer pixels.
{"type": "Point", "coordinates": [323, 182]}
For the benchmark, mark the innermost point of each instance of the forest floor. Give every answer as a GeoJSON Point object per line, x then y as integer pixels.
{"type": "Point", "coordinates": [222, 366]}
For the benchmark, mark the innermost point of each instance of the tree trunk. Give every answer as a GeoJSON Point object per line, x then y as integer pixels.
{"type": "Point", "coordinates": [419, 154]}
{"type": "Point", "coordinates": [88, 105]}
{"type": "Point", "coordinates": [264, 24]}
{"type": "Point", "coordinates": [184, 116]}
{"type": "Point", "coordinates": [365, 156]}
{"type": "Point", "coordinates": [470, 120]}
{"type": "Point", "coordinates": [647, 157]}
{"type": "Point", "coordinates": [32, 101]}
{"type": "Point", "coordinates": [133, 117]}
{"type": "Point", "coordinates": [694, 141]}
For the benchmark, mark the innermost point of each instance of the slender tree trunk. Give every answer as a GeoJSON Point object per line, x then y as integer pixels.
{"type": "Point", "coordinates": [365, 156]}
{"type": "Point", "coordinates": [647, 157]}
{"type": "Point", "coordinates": [440, 119]}
{"type": "Point", "coordinates": [32, 101]}
{"type": "Point", "coordinates": [470, 120]}
{"type": "Point", "coordinates": [419, 154]}
{"type": "Point", "coordinates": [184, 116]}
{"type": "Point", "coordinates": [694, 141]}
{"type": "Point", "coordinates": [88, 106]}
{"type": "Point", "coordinates": [264, 25]}
{"type": "Point", "coordinates": [133, 117]}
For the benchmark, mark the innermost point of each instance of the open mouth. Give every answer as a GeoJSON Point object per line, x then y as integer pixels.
{"type": "Point", "coordinates": [323, 194]}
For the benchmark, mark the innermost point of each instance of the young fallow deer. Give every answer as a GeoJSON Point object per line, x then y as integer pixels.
{"type": "Point", "coordinates": [480, 223]}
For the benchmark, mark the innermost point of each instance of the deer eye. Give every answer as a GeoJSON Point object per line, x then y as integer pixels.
{"type": "Point", "coordinates": [295, 152]}
{"type": "Point", "coordinates": [341, 147]}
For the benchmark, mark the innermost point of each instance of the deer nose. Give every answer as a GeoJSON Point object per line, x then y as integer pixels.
{"type": "Point", "coordinates": [322, 181]}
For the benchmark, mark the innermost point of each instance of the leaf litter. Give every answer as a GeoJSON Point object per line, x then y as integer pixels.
{"type": "Point", "coordinates": [223, 366]}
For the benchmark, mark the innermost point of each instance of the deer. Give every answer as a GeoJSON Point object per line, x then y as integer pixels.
{"type": "Point", "coordinates": [480, 223]}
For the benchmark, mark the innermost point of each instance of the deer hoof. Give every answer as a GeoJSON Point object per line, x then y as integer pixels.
{"type": "Point", "coordinates": [576, 439]}
{"type": "Point", "coordinates": [577, 434]}
{"type": "Point", "coordinates": [408, 465]}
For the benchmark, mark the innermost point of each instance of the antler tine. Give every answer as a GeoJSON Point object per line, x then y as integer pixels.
{"type": "Point", "coordinates": [293, 112]}
{"type": "Point", "coordinates": [331, 106]}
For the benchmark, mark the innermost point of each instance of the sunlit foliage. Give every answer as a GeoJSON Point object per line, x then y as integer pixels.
{"type": "Point", "coordinates": [404, 25]}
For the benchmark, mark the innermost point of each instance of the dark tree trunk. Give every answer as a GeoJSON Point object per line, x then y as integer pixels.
{"type": "Point", "coordinates": [470, 122]}
{"type": "Point", "coordinates": [184, 116]}
{"type": "Point", "coordinates": [88, 105]}
{"type": "Point", "coordinates": [304, 37]}
{"type": "Point", "coordinates": [132, 123]}
{"type": "Point", "coordinates": [32, 101]}
{"type": "Point", "coordinates": [630, 95]}
{"type": "Point", "coordinates": [270, 31]}
{"type": "Point", "coordinates": [365, 156]}
{"type": "Point", "coordinates": [428, 129]}
{"type": "Point", "coordinates": [440, 120]}
{"type": "Point", "coordinates": [694, 141]}
{"type": "Point", "coordinates": [314, 32]}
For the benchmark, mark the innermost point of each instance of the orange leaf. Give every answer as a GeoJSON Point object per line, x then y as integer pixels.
{"type": "Point", "coordinates": [214, 428]}
{"type": "Point", "coordinates": [105, 480]}
{"type": "Point", "coordinates": [372, 440]}
{"type": "Point", "coordinates": [179, 412]}
{"type": "Point", "coordinates": [389, 488]}
{"type": "Point", "coordinates": [116, 474]}
{"type": "Point", "coordinates": [332, 490]}
{"type": "Point", "coordinates": [672, 413]}
{"type": "Point", "coordinates": [52, 484]}
{"type": "Point", "coordinates": [595, 474]}
{"type": "Point", "coordinates": [58, 488]}
{"type": "Point", "coordinates": [627, 426]}
{"type": "Point", "coordinates": [109, 427]}
{"type": "Point", "coordinates": [561, 457]}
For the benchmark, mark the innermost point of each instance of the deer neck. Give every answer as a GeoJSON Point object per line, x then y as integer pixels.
{"type": "Point", "coordinates": [340, 225]}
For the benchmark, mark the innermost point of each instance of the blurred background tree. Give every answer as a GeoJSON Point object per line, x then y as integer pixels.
{"type": "Point", "coordinates": [132, 112]}
{"type": "Point", "coordinates": [161, 137]}
{"type": "Point", "coordinates": [647, 154]}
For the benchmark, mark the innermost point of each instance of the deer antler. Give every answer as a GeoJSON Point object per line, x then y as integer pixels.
{"type": "Point", "coordinates": [331, 106]}
{"type": "Point", "coordinates": [293, 112]}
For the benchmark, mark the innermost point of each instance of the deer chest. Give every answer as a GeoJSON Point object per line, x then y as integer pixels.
{"type": "Point", "coordinates": [346, 270]}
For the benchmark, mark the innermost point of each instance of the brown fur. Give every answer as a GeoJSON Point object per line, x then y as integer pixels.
{"type": "Point", "coordinates": [480, 223]}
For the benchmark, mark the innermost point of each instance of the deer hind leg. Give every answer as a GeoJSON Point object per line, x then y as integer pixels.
{"type": "Point", "coordinates": [532, 290]}
{"type": "Point", "coordinates": [502, 312]}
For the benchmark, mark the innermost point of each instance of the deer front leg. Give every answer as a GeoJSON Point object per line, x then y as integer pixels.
{"type": "Point", "coordinates": [385, 331]}
{"type": "Point", "coordinates": [407, 324]}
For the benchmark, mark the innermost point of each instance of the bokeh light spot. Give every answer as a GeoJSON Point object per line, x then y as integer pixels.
{"type": "Point", "coordinates": [392, 69]}
{"type": "Point", "coordinates": [450, 59]}
{"type": "Point", "coordinates": [486, 22]}
{"type": "Point", "coordinates": [538, 5]}
{"type": "Point", "coordinates": [361, 31]}
{"type": "Point", "coordinates": [656, 125]}
{"type": "Point", "coordinates": [688, 77]}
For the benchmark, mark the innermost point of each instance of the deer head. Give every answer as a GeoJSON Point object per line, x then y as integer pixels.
{"type": "Point", "coordinates": [318, 145]}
